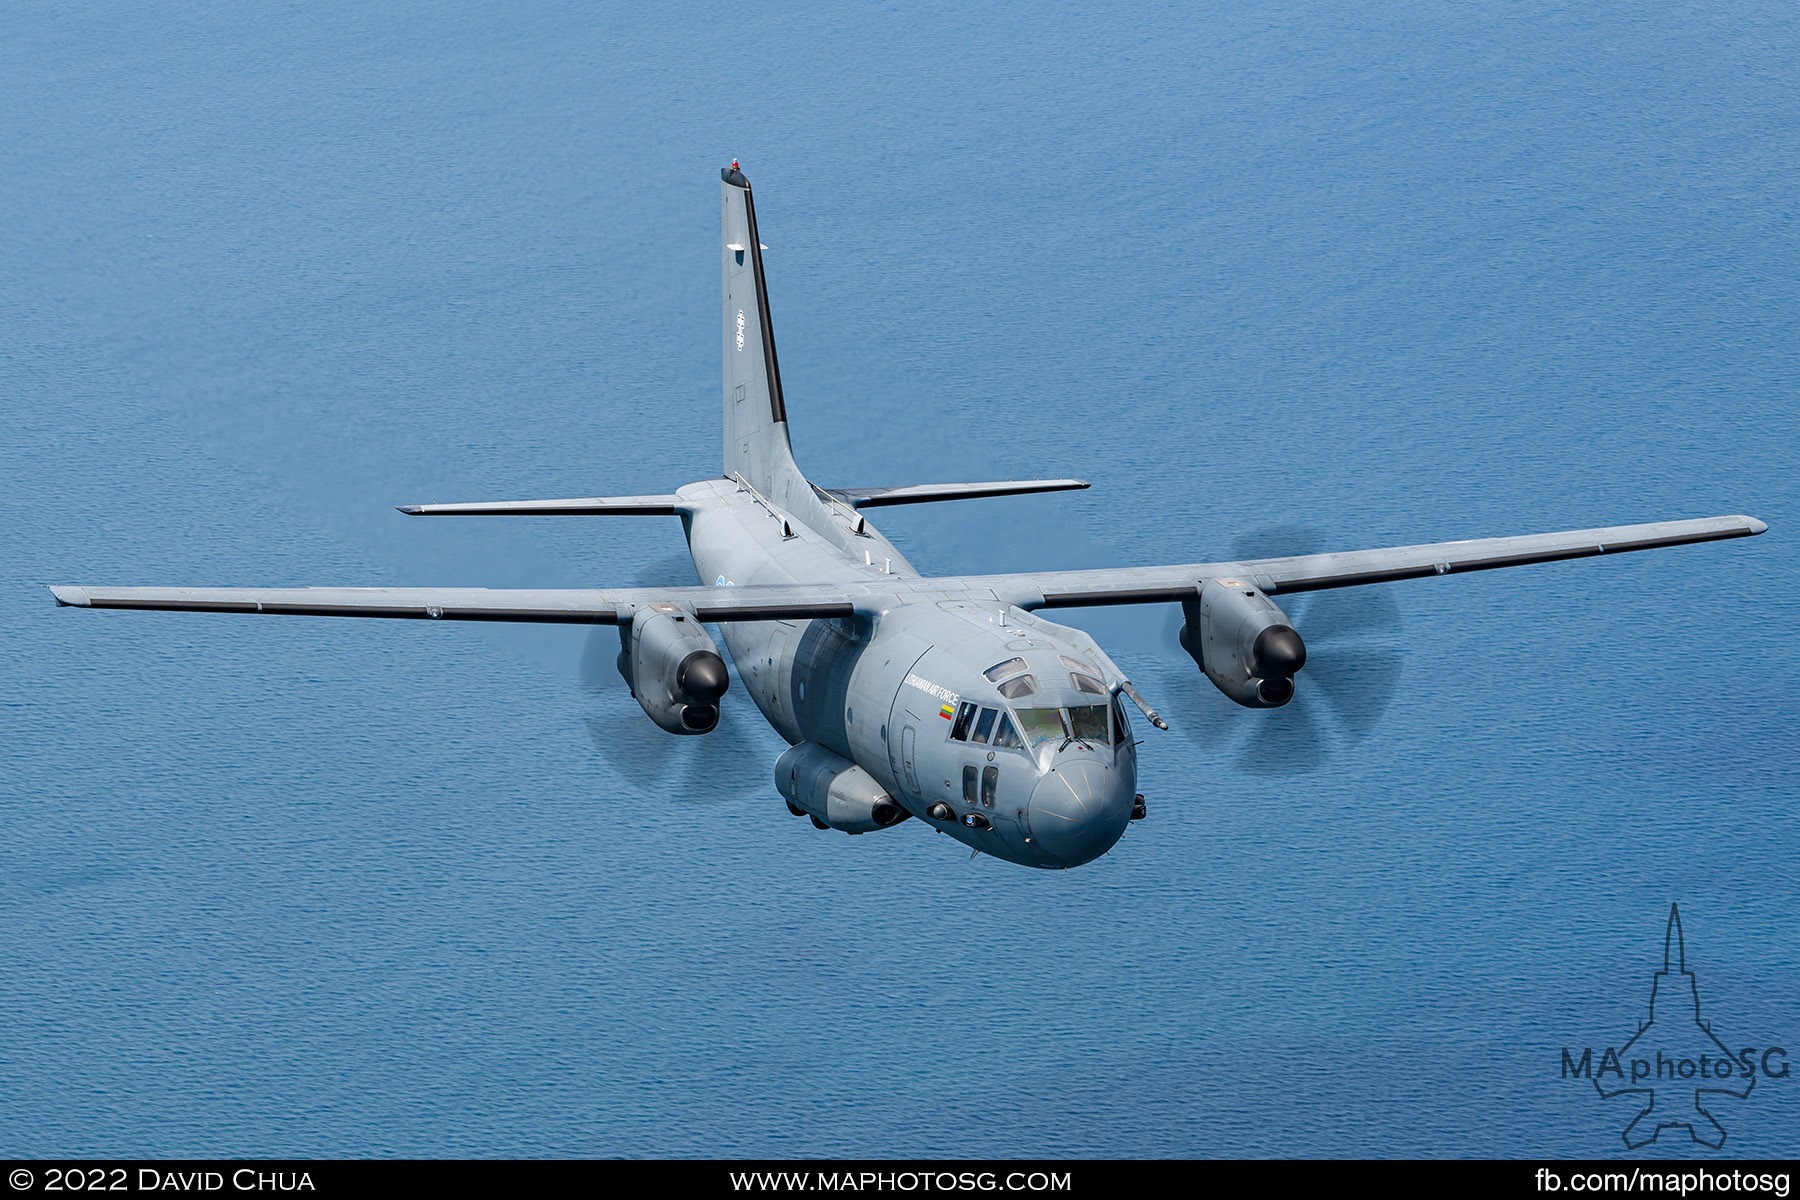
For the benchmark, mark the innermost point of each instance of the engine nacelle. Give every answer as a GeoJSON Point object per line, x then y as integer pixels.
{"type": "Point", "coordinates": [673, 668]}
{"type": "Point", "coordinates": [1246, 645]}
{"type": "Point", "coordinates": [832, 789]}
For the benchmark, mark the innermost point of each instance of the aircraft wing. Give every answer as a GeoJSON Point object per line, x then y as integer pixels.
{"type": "Point", "coordinates": [577, 606]}
{"type": "Point", "coordinates": [1313, 572]}
{"type": "Point", "coordinates": [808, 601]}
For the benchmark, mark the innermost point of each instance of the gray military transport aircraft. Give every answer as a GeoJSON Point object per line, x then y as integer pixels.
{"type": "Point", "coordinates": [947, 699]}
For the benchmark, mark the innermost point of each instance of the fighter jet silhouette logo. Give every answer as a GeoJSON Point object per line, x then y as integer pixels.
{"type": "Point", "coordinates": [1684, 1048]}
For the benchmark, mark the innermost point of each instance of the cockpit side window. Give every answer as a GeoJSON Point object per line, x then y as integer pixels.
{"type": "Point", "coordinates": [1121, 730]}
{"type": "Point", "coordinates": [984, 726]}
{"type": "Point", "coordinates": [1006, 737]}
{"type": "Point", "coordinates": [999, 671]}
{"type": "Point", "coordinates": [960, 729]}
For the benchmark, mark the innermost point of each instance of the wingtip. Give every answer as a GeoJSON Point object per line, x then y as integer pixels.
{"type": "Point", "coordinates": [1756, 526]}
{"type": "Point", "coordinates": [69, 597]}
{"type": "Point", "coordinates": [411, 510]}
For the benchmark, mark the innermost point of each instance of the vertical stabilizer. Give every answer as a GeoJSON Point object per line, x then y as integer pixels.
{"type": "Point", "coordinates": [756, 436]}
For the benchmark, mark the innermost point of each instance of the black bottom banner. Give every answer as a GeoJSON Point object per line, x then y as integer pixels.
{"type": "Point", "coordinates": [789, 1178]}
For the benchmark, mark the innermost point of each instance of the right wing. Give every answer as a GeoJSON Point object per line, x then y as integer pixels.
{"type": "Point", "coordinates": [575, 606]}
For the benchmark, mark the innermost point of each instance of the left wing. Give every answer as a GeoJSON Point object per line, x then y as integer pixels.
{"type": "Point", "coordinates": [579, 606]}
{"type": "Point", "coordinates": [1313, 572]}
{"type": "Point", "coordinates": [593, 506]}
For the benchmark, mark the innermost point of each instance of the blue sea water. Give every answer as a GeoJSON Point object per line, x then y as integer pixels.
{"type": "Point", "coordinates": [1271, 276]}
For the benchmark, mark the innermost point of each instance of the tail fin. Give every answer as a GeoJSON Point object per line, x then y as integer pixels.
{"type": "Point", "coordinates": [756, 435]}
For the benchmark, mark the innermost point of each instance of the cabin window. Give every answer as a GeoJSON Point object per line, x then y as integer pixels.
{"type": "Point", "coordinates": [1088, 723]}
{"type": "Point", "coordinates": [1006, 737]}
{"type": "Point", "coordinates": [968, 785]}
{"type": "Point", "coordinates": [1018, 689]}
{"type": "Point", "coordinates": [999, 671]}
{"type": "Point", "coordinates": [1088, 684]}
{"type": "Point", "coordinates": [990, 782]}
{"type": "Point", "coordinates": [960, 729]}
{"type": "Point", "coordinates": [984, 726]}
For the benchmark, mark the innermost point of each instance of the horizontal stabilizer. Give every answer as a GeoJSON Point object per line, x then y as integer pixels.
{"type": "Point", "coordinates": [594, 506]}
{"type": "Point", "coordinates": [924, 493]}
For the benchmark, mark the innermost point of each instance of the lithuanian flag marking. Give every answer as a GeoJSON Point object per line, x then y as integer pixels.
{"type": "Point", "coordinates": [948, 711]}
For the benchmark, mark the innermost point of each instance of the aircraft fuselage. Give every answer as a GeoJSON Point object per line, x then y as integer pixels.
{"type": "Point", "coordinates": [912, 693]}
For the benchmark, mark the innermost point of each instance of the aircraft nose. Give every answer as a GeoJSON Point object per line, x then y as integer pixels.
{"type": "Point", "coordinates": [1079, 810]}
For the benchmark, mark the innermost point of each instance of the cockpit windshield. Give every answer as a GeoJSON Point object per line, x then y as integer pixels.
{"type": "Point", "coordinates": [1088, 723]}
{"type": "Point", "coordinates": [1041, 725]}
{"type": "Point", "coordinates": [1085, 723]}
